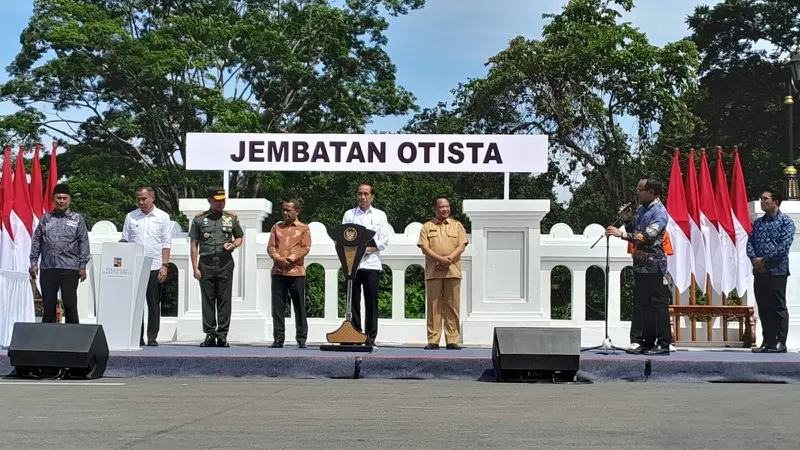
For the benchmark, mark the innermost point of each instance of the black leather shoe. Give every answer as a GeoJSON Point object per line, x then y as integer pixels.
{"type": "Point", "coordinates": [658, 350]}
{"type": "Point", "coordinates": [761, 349]}
{"type": "Point", "coordinates": [453, 347]}
{"type": "Point", "coordinates": [152, 343]}
{"type": "Point", "coordinates": [301, 345]}
{"type": "Point", "coordinates": [209, 341]}
{"type": "Point", "coordinates": [777, 348]}
{"type": "Point", "coordinates": [222, 342]}
{"type": "Point", "coordinates": [432, 347]}
{"type": "Point", "coordinates": [276, 345]}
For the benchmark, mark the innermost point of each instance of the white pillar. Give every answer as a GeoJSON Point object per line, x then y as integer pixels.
{"type": "Point", "coordinates": [248, 319]}
{"type": "Point", "coordinates": [506, 267]}
{"type": "Point", "coordinates": [791, 209]}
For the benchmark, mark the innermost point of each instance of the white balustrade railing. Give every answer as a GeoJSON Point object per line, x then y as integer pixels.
{"type": "Point", "coordinates": [507, 270]}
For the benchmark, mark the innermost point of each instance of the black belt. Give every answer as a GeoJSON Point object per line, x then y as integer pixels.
{"type": "Point", "coordinates": [211, 259]}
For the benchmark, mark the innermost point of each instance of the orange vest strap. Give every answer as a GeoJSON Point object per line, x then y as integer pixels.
{"type": "Point", "coordinates": [667, 245]}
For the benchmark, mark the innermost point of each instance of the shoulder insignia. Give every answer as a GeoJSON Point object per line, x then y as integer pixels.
{"type": "Point", "coordinates": [199, 214]}
{"type": "Point", "coordinates": [230, 213]}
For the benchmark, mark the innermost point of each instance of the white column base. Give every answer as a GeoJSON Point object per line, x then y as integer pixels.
{"type": "Point", "coordinates": [478, 329]}
{"type": "Point", "coordinates": [246, 326]}
{"type": "Point", "coordinates": [593, 333]}
{"type": "Point", "coordinates": [793, 338]}
{"type": "Point", "coordinates": [390, 332]}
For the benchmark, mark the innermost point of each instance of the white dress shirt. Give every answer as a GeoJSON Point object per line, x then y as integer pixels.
{"type": "Point", "coordinates": [153, 231]}
{"type": "Point", "coordinates": [372, 219]}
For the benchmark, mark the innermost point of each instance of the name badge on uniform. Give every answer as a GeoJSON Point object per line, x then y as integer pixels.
{"type": "Point", "coordinates": [227, 224]}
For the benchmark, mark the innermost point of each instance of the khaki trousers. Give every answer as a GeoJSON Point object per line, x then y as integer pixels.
{"type": "Point", "coordinates": [444, 299]}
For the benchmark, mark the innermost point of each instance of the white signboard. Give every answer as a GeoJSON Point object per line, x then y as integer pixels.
{"type": "Point", "coordinates": [367, 152]}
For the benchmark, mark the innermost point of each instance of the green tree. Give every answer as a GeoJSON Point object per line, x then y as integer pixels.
{"type": "Point", "coordinates": [587, 73]}
{"type": "Point", "coordinates": [743, 44]}
{"type": "Point", "coordinates": [148, 72]}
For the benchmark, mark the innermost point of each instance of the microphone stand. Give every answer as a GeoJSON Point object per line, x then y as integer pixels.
{"type": "Point", "coordinates": [607, 344]}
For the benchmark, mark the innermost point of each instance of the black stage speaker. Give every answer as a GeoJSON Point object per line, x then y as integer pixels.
{"type": "Point", "coordinates": [55, 350]}
{"type": "Point", "coordinates": [536, 354]}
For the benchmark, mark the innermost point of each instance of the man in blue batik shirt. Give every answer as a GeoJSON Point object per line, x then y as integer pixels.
{"type": "Point", "coordinates": [768, 249]}
{"type": "Point", "coordinates": [650, 327]}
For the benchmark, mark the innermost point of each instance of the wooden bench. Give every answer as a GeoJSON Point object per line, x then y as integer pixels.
{"type": "Point", "coordinates": [745, 314]}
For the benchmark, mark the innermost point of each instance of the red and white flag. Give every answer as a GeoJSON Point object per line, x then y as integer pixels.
{"type": "Point", "coordinates": [741, 225]}
{"type": "Point", "coordinates": [22, 216]}
{"type": "Point", "coordinates": [693, 205]}
{"type": "Point", "coordinates": [680, 264]}
{"type": "Point", "coordinates": [7, 249]}
{"type": "Point", "coordinates": [52, 179]}
{"type": "Point", "coordinates": [727, 235]}
{"type": "Point", "coordinates": [709, 225]}
{"type": "Point", "coordinates": [36, 188]}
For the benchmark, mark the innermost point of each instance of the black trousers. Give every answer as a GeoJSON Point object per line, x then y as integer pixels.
{"type": "Point", "coordinates": [366, 281]}
{"type": "Point", "coordinates": [651, 298]}
{"type": "Point", "coordinates": [216, 288]}
{"type": "Point", "coordinates": [295, 289]}
{"type": "Point", "coordinates": [770, 293]}
{"type": "Point", "coordinates": [637, 333]}
{"type": "Point", "coordinates": [153, 308]}
{"type": "Point", "coordinates": [65, 280]}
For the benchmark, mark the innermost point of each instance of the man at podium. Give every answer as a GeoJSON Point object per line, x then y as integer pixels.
{"type": "Point", "coordinates": [150, 227]}
{"type": "Point", "coordinates": [369, 269]}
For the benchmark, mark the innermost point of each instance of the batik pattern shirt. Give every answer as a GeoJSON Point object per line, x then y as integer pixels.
{"type": "Point", "coordinates": [771, 238]}
{"type": "Point", "coordinates": [289, 239]}
{"type": "Point", "coordinates": [647, 233]}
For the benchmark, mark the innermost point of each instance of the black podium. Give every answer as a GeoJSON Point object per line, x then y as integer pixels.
{"type": "Point", "coordinates": [352, 241]}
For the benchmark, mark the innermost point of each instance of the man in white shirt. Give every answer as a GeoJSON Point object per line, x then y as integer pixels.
{"type": "Point", "coordinates": [370, 268]}
{"type": "Point", "coordinates": [152, 228]}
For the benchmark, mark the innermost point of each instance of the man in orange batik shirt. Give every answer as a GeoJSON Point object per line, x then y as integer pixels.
{"type": "Point", "coordinates": [289, 243]}
{"type": "Point", "coordinates": [443, 240]}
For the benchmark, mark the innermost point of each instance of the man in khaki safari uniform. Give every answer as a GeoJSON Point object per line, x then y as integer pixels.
{"type": "Point", "coordinates": [442, 241]}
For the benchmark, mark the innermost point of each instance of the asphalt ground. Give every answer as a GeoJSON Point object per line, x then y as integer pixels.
{"type": "Point", "coordinates": [332, 414]}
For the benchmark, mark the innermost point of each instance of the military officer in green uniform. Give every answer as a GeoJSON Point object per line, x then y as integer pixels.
{"type": "Point", "coordinates": [214, 234]}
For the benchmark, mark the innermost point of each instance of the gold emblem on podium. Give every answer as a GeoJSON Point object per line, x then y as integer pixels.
{"type": "Point", "coordinates": [351, 241]}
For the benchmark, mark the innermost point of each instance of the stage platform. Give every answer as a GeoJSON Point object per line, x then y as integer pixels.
{"type": "Point", "coordinates": [254, 361]}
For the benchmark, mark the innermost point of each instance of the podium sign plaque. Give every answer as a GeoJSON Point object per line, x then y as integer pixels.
{"type": "Point", "coordinates": [351, 242]}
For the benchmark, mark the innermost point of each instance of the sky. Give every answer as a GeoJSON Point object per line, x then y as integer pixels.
{"type": "Point", "coordinates": [445, 43]}
{"type": "Point", "coordinates": [449, 41]}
